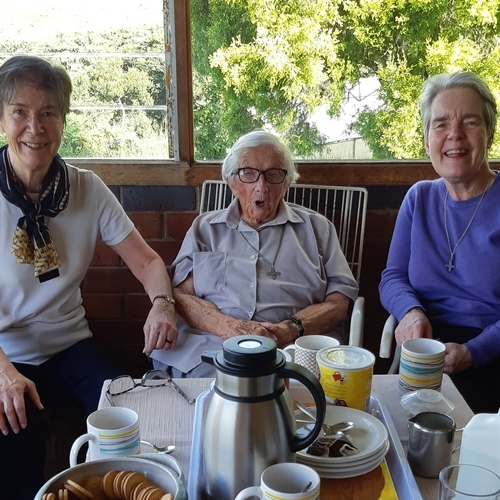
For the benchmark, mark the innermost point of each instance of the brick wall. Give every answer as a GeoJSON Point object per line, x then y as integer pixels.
{"type": "Point", "coordinates": [117, 306]}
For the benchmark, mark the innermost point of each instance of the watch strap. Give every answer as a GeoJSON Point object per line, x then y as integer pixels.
{"type": "Point", "coordinates": [298, 325]}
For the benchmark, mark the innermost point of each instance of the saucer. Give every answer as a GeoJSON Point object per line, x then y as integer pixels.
{"type": "Point", "coordinates": [339, 467]}
{"type": "Point", "coordinates": [369, 435]}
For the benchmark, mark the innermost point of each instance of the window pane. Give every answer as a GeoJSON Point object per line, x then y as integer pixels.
{"type": "Point", "coordinates": [334, 79]}
{"type": "Point", "coordinates": [240, 84]}
{"type": "Point", "coordinates": [115, 54]}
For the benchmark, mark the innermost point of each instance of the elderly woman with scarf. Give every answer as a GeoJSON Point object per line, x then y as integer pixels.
{"type": "Point", "coordinates": [51, 215]}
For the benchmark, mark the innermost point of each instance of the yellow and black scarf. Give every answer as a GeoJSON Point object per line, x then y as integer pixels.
{"type": "Point", "coordinates": [32, 243]}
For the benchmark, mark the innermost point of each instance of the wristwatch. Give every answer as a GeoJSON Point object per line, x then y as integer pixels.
{"type": "Point", "coordinates": [168, 298]}
{"type": "Point", "coordinates": [298, 325]}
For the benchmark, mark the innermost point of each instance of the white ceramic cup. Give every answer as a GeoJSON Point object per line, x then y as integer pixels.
{"type": "Point", "coordinates": [468, 482]}
{"type": "Point", "coordinates": [305, 348]}
{"type": "Point", "coordinates": [111, 432]}
{"type": "Point", "coordinates": [285, 481]}
{"type": "Point", "coordinates": [421, 365]}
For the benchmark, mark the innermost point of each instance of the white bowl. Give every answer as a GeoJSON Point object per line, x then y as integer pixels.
{"type": "Point", "coordinates": [161, 475]}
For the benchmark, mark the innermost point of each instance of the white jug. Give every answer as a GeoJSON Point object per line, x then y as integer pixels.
{"type": "Point", "coordinates": [481, 442]}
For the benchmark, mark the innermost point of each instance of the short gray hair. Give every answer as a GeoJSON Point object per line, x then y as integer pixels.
{"type": "Point", "coordinates": [38, 72]}
{"type": "Point", "coordinates": [253, 140]}
{"type": "Point", "coordinates": [439, 83]}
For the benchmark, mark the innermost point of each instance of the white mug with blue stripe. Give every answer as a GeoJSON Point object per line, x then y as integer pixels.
{"type": "Point", "coordinates": [111, 432]}
{"type": "Point", "coordinates": [421, 365]}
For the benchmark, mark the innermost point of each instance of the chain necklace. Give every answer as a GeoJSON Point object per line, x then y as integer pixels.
{"type": "Point", "coordinates": [272, 273]}
{"type": "Point", "coordinates": [450, 265]}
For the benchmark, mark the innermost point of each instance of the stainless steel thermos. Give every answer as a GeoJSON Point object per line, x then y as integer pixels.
{"type": "Point", "coordinates": [249, 423]}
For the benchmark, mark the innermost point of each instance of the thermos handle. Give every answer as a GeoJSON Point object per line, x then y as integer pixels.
{"type": "Point", "coordinates": [295, 371]}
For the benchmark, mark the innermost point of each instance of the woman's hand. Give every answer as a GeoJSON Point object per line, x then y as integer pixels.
{"type": "Point", "coordinates": [13, 387]}
{"type": "Point", "coordinates": [241, 327]}
{"type": "Point", "coordinates": [160, 330]}
{"type": "Point", "coordinates": [457, 358]}
{"type": "Point", "coordinates": [413, 325]}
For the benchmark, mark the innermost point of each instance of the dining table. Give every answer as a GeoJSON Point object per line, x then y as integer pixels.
{"type": "Point", "coordinates": [166, 417]}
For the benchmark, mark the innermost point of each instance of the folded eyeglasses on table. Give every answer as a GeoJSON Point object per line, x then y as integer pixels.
{"type": "Point", "coordinates": [151, 379]}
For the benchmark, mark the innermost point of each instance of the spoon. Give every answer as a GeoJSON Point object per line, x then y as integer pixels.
{"type": "Point", "coordinates": [339, 428]}
{"type": "Point", "coordinates": [306, 487]}
{"type": "Point", "coordinates": [160, 449]}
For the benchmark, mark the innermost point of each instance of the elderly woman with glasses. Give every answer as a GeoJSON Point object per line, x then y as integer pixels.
{"type": "Point", "coordinates": [259, 267]}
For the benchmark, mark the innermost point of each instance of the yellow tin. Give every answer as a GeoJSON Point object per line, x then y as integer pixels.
{"type": "Point", "coordinates": [346, 375]}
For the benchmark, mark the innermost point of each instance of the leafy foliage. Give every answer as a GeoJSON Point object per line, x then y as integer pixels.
{"type": "Point", "coordinates": [271, 64]}
{"type": "Point", "coordinates": [282, 60]}
{"type": "Point", "coordinates": [103, 81]}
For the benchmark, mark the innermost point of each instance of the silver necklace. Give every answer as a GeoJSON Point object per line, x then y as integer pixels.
{"type": "Point", "coordinates": [272, 273]}
{"type": "Point", "coordinates": [450, 265]}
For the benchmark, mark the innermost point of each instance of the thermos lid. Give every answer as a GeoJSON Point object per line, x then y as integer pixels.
{"type": "Point", "coordinates": [248, 355]}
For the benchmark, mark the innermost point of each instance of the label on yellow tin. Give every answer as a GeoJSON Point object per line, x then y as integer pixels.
{"type": "Point", "coordinates": [346, 375]}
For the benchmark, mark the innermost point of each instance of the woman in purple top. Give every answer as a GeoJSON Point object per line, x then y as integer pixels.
{"type": "Point", "coordinates": [443, 275]}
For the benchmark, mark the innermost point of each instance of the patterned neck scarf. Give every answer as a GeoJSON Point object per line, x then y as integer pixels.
{"type": "Point", "coordinates": [32, 243]}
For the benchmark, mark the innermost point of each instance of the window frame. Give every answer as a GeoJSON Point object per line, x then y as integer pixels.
{"type": "Point", "coordinates": [183, 170]}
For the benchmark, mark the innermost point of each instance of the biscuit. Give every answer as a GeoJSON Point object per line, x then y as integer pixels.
{"type": "Point", "coordinates": [167, 496]}
{"type": "Point", "coordinates": [155, 494]}
{"type": "Point", "coordinates": [107, 484]}
{"type": "Point", "coordinates": [130, 482]}
{"type": "Point", "coordinates": [93, 483]}
{"type": "Point", "coordinates": [117, 483]}
{"type": "Point", "coordinates": [77, 490]}
{"type": "Point", "coordinates": [143, 495]}
{"type": "Point", "coordinates": [137, 490]}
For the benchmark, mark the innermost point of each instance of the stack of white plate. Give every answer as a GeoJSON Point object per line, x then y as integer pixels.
{"type": "Point", "coordinates": [369, 436]}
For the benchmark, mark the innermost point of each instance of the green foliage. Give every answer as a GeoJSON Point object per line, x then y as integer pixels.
{"type": "Point", "coordinates": [271, 64]}
{"type": "Point", "coordinates": [256, 78]}
{"type": "Point", "coordinates": [284, 59]}
{"type": "Point", "coordinates": [110, 81]}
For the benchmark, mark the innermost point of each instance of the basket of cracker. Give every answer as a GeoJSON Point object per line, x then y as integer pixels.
{"type": "Point", "coordinates": [127, 478]}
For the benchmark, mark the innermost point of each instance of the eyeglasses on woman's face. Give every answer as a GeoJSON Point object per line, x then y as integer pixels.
{"type": "Point", "coordinates": [252, 175]}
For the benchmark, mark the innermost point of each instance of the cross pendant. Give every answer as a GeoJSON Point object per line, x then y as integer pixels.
{"type": "Point", "coordinates": [449, 266]}
{"type": "Point", "coordinates": [273, 273]}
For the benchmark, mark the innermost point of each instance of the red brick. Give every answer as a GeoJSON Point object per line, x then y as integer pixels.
{"type": "Point", "coordinates": [105, 256]}
{"type": "Point", "coordinates": [380, 223]}
{"type": "Point", "coordinates": [167, 250]}
{"type": "Point", "coordinates": [177, 224]}
{"type": "Point", "coordinates": [111, 280]}
{"type": "Point", "coordinates": [118, 332]}
{"type": "Point", "coordinates": [102, 306]}
{"type": "Point", "coordinates": [149, 224]}
{"type": "Point", "coordinates": [137, 306]}
{"type": "Point", "coordinates": [375, 252]}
